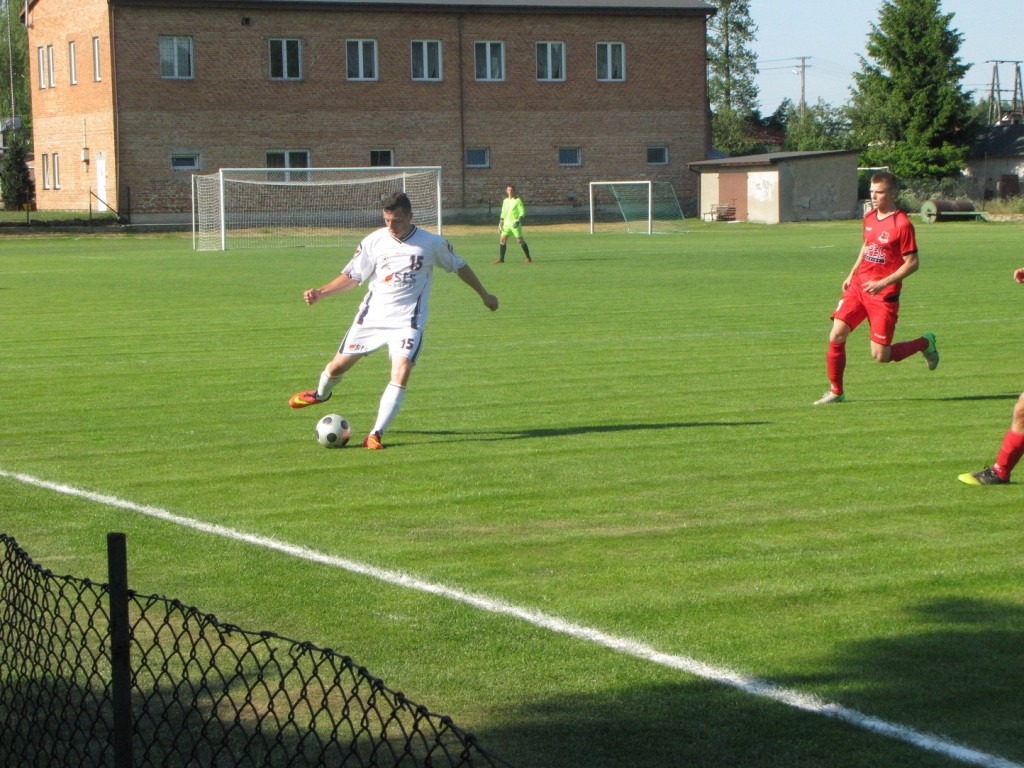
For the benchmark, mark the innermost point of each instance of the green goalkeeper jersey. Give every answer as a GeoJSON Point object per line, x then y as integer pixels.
{"type": "Point", "coordinates": [512, 211]}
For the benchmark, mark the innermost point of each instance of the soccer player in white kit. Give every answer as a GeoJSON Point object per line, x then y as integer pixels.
{"type": "Point", "coordinates": [397, 261]}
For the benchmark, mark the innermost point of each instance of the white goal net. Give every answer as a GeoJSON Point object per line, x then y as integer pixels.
{"type": "Point", "coordinates": [282, 207]}
{"type": "Point", "coordinates": [648, 207]}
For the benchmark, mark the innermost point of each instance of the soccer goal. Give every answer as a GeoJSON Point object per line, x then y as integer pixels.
{"type": "Point", "coordinates": [635, 206]}
{"type": "Point", "coordinates": [282, 207]}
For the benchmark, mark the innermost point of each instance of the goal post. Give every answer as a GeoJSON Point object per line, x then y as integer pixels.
{"type": "Point", "coordinates": [283, 207]}
{"type": "Point", "coordinates": [649, 207]}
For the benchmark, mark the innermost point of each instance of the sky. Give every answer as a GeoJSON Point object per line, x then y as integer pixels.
{"type": "Point", "coordinates": [833, 33]}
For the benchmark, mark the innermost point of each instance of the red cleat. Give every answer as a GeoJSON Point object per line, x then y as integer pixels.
{"type": "Point", "coordinates": [302, 399]}
{"type": "Point", "coordinates": [373, 442]}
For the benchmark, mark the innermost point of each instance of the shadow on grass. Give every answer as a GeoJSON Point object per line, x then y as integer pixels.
{"type": "Point", "coordinates": [531, 434]}
{"type": "Point", "coordinates": [962, 678]}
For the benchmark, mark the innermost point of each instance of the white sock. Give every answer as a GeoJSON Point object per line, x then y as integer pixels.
{"type": "Point", "coordinates": [326, 385]}
{"type": "Point", "coordinates": [390, 402]}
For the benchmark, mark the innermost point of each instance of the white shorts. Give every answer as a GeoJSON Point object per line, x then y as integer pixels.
{"type": "Point", "coordinates": [362, 340]}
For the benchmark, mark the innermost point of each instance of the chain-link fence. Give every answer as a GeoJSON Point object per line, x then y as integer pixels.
{"type": "Point", "coordinates": [96, 675]}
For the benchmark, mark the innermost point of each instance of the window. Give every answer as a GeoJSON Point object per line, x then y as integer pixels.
{"type": "Point", "coordinates": [382, 157]}
{"type": "Point", "coordinates": [185, 161]}
{"type": "Point", "coordinates": [478, 158]}
{"type": "Point", "coordinates": [551, 61]}
{"type": "Point", "coordinates": [570, 156]}
{"type": "Point", "coordinates": [49, 66]}
{"type": "Point", "coordinates": [96, 59]}
{"type": "Point", "coordinates": [285, 59]}
{"type": "Point", "coordinates": [611, 61]}
{"type": "Point", "coordinates": [56, 170]}
{"type": "Point", "coordinates": [46, 171]}
{"type": "Point", "coordinates": [657, 155]}
{"type": "Point", "coordinates": [175, 57]}
{"type": "Point", "coordinates": [490, 61]}
{"type": "Point", "coordinates": [41, 66]}
{"type": "Point", "coordinates": [288, 158]}
{"type": "Point", "coordinates": [426, 60]}
{"type": "Point", "coordinates": [361, 59]}
{"type": "Point", "coordinates": [72, 64]}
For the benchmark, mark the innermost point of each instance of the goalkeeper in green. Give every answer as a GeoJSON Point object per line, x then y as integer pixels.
{"type": "Point", "coordinates": [511, 223]}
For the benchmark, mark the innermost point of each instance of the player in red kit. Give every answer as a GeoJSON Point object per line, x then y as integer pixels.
{"type": "Point", "coordinates": [1013, 442]}
{"type": "Point", "coordinates": [872, 290]}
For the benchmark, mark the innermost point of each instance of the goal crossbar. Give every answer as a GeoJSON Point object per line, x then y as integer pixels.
{"type": "Point", "coordinates": [279, 207]}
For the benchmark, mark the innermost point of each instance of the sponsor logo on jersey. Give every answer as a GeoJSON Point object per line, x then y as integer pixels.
{"type": "Point", "coordinates": [356, 348]}
{"type": "Point", "coordinates": [874, 254]}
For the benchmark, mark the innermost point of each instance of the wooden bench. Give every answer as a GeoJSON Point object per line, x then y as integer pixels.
{"type": "Point", "coordinates": [721, 213]}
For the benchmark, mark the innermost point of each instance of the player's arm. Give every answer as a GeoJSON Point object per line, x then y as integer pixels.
{"type": "Point", "coordinates": [909, 267]}
{"type": "Point", "coordinates": [340, 284]}
{"type": "Point", "coordinates": [468, 276]}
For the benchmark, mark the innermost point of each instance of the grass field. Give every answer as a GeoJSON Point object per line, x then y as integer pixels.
{"type": "Point", "coordinates": [628, 445]}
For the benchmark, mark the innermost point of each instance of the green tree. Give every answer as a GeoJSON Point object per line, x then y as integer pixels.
{"type": "Point", "coordinates": [13, 64]}
{"type": "Point", "coordinates": [822, 127]}
{"type": "Point", "coordinates": [909, 108]}
{"type": "Point", "coordinates": [15, 182]}
{"type": "Point", "coordinates": [732, 67]}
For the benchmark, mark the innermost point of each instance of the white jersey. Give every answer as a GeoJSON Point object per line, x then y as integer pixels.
{"type": "Point", "coordinates": [399, 273]}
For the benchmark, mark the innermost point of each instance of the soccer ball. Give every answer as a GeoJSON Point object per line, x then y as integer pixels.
{"type": "Point", "coordinates": [333, 431]}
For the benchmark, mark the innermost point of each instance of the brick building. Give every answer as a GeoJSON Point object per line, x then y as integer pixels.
{"type": "Point", "coordinates": [131, 97]}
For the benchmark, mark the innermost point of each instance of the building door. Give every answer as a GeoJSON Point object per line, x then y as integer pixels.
{"type": "Point", "coordinates": [101, 181]}
{"type": "Point", "coordinates": [732, 190]}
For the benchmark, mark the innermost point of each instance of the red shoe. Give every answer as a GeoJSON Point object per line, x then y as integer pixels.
{"type": "Point", "coordinates": [302, 399]}
{"type": "Point", "coordinates": [373, 442]}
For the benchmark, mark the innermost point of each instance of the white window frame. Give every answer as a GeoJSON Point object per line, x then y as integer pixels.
{"type": "Point", "coordinates": [170, 50]}
{"type": "Point", "coordinates": [41, 66]}
{"type": "Point", "coordinates": [606, 62]}
{"type": "Point", "coordinates": [663, 149]}
{"type": "Point", "coordinates": [97, 73]}
{"type": "Point", "coordinates": [290, 170]}
{"type": "Point", "coordinates": [422, 57]}
{"type": "Point", "coordinates": [550, 55]}
{"type": "Point", "coordinates": [72, 63]}
{"type": "Point", "coordinates": [185, 160]}
{"type": "Point", "coordinates": [380, 154]}
{"type": "Point", "coordinates": [56, 170]}
{"type": "Point", "coordinates": [564, 162]}
{"type": "Point", "coordinates": [489, 48]}
{"type": "Point", "coordinates": [50, 75]}
{"type": "Point", "coordinates": [486, 153]}
{"type": "Point", "coordinates": [280, 46]}
{"type": "Point", "coordinates": [46, 171]}
{"type": "Point", "coordinates": [363, 66]}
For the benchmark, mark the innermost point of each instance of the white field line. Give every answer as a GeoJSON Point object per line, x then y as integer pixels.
{"type": "Point", "coordinates": [721, 675]}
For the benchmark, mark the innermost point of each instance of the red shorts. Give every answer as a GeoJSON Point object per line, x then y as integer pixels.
{"type": "Point", "coordinates": [881, 313]}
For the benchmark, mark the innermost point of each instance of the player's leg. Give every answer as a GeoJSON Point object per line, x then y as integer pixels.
{"type": "Point", "coordinates": [846, 317]}
{"type": "Point", "coordinates": [523, 245]}
{"type": "Point", "coordinates": [502, 241]}
{"type": "Point", "coordinates": [404, 352]}
{"type": "Point", "coordinates": [329, 379]}
{"type": "Point", "coordinates": [1010, 453]}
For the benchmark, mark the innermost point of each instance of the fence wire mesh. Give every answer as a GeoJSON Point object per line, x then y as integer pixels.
{"type": "Point", "coordinates": [203, 693]}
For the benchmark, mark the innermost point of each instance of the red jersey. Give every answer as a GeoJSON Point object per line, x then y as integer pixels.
{"type": "Point", "coordinates": [886, 242]}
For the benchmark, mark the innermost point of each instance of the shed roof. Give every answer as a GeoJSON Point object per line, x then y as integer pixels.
{"type": "Point", "coordinates": [686, 7]}
{"type": "Point", "coordinates": [767, 159]}
{"type": "Point", "coordinates": [999, 141]}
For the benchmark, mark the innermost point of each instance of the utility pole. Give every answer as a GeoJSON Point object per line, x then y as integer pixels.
{"type": "Point", "coordinates": [997, 114]}
{"type": "Point", "coordinates": [803, 84]}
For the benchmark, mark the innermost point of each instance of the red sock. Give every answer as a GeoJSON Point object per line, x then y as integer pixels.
{"type": "Point", "coordinates": [905, 349]}
{"type": "Point", "coordinates": [1009, 454]}
{"type": "Point", "coordinates": [836, 359]}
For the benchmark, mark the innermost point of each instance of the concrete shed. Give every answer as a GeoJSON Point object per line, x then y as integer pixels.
{"type": "Point", "coordinates": [779, 186]}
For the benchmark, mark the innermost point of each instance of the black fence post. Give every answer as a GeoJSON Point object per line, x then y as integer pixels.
{"type": "Point", "coordinates": [120, 649]}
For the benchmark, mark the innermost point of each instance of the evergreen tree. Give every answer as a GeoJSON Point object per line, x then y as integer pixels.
{"type": "Point", "coordinates": [732, 67]}
{"type": "Point", "coordinates": [15, 182]}
{"type": "Point", "coordinates": [909, 108]}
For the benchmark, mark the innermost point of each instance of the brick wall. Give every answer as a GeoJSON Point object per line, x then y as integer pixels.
{"type": "Point", "coordinates": [232, 113]}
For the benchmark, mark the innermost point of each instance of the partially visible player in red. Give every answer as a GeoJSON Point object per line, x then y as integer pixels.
{"type": "Point", "coordinates": [1013, 442]}
{"type": "Point", "coordinates": [872, 290]}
